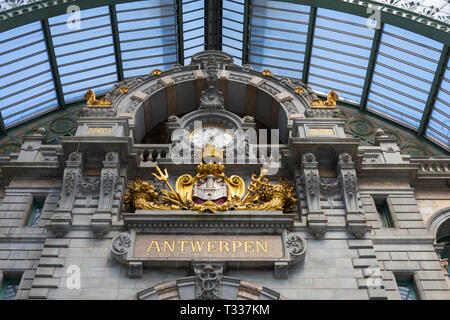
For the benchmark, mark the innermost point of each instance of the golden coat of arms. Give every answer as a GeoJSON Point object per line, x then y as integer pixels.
{"type": "Point", "coordinates": [210, 190]}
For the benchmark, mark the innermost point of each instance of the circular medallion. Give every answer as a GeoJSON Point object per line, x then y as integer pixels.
{"type": "Point", "coordinates": [62, 125]}
{"type": "Point", "coordinates": [361, 127]}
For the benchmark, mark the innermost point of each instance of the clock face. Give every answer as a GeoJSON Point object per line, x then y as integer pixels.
{"type": "Point", "coordinates": [212, 135]}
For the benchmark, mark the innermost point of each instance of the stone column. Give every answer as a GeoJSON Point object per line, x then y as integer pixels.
{"type": "Point", "coordinates": [316, 219]}
{"type": "Point", "coordinates": [101, 220]}
{"type": "Point", "coordinates": [356, 222]}
{"type": "Point", "coordinates": [61, 220]}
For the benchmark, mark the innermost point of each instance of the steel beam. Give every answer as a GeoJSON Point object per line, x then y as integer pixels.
{"type": "Point", "coordinates": [371, 67]}
{"type": "Point", "coordinates": [309, 42]}
{"type": "Point", "coordinates": [435, 85]}
{"type": "Point", "coordinates": [116, 41]}
{"type": "Point", "coordinates": [245, 32]}
{"type": "Point", "coordinates": [53, 63]}
{"type": "Point", "coordinates": [3, 131]}
{"type": "Point", "coordinates": [180, 32]}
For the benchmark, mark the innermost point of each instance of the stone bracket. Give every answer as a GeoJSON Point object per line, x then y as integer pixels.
{"type": "Point", "coordinates": [356, 223]}
{"type": "Point", "coordinates": [101, 224]}
{"type": "Point", "coordinates": [60, 223]}
{"type": "Point", "coordinates": [317, 223]}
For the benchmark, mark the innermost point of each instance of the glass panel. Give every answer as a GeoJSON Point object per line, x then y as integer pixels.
{"type": "Point", "coordinates": [9, 289]}
{"type": "Point", "coordinates": [341, 50]}
{"type": "Point", "coordinates": [148, 36]}
{"type": "Point", "coordinates": [233, 32]}
{"type": "Point", "coordinates": [27, 86]}
{"type": "Point", "coordinates": [85, 55]}
{"type": "Point", "coordinates": [278, 36]}
{"type": "Point", "coordinates": [35, 214]}
{"type": "Point", "coordinates": [193, 28]}
{"type": "Point", "coordinates": [406, 290]}
{"type": "Point", "coordinates": [403, 75]}
{"type": "Point", "coordinates": [384, 216]}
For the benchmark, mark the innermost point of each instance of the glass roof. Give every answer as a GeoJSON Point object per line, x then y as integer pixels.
{"type": "Point", "coordinates": [26, 87]}
{"type": "Point", "coordinates": [340, 53]}
{"type": "Point", "coordinates": [392, 72]}
{"type": "Point", "coordinates": [148, 36]}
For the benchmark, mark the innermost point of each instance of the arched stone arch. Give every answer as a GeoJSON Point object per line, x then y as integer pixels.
{"type": "Point", "coordinates": [439, 223]}
{"type": "Point", "coordinates": [147, 101]}
{"type": "Point", "coordinates": [231, 289]}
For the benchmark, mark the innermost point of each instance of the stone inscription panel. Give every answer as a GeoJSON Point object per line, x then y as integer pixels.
{"type": "Point", "coordinates": [208, 246]}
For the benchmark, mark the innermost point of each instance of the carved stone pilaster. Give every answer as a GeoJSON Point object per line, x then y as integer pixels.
{"type": "Point", "coordinates": [316, 220]}
{"type": "Point", "coordinates": [356, 222]}
{"type": "Point", "coordinates": [208, 281]}
{"type": "Point", "coordinates": [101, 221]}
{"type": "Point", "coordinates": [61, 220]}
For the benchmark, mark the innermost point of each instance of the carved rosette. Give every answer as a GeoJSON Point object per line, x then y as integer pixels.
{"type": "Point", "coordinates": [295, 245]}
{"type": "Point", "coordinates": [120, 245]}
{"type": "Point", "coordinates": [208, 281]}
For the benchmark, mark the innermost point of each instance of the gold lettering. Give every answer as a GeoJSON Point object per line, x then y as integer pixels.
{"type": "Point", "coordinates": [210, 246]}
{"type": "Point", "coordinates": [223, 244]}
{"type": "Point", "coordinates": [321, 131]}
{"type": "Point", "coordinates": [236, 244]}
{"type": "Point", "coordinates": [167, 245]}
{"type": "Point", "coordinates": [198, 245]}
{"type": "Point", "coordinates": [247, 246]}
{"type": "Point", "coordinates": [99, 130]}
{"type": "Point", "coordinates": [154, 245]}
{"type": "Point", "coordinates": [183, 242]}
{"type": "Point", "coordinates": [258, 244]}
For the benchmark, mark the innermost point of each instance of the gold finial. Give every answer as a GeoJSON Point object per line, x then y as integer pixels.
{"type": "Point", "coordinates": [123, 89]}
{"type": "Point", "coordinates": [330, 102]}
{"type": "Point", "coordinates": [266, 72]}
{"type": "Point", "coordinates": [93, 102]}
{"type": "Point", "coordinates": [157, 72]}
{"type": "Point", "coordinates": [298, 90]}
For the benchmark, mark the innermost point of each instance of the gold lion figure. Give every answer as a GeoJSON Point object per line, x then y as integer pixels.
{"type": "Point", "coordinates": [93, 102]}
{"type": "Point", "coordinates": [330, 102]}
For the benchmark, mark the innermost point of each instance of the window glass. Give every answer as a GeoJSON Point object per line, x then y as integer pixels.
{"type": "Point", "coordinates": [35, 214]}
{"type": "Point", "coordinates": [384, 216]}
{"type": "Point", "coordinates": [406, 290]}
{"type": "Point", "coordinates": [9, 289]}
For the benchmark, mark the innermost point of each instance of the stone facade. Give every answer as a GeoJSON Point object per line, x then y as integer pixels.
{"type": "Point", "coordinates": [347, 254]}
